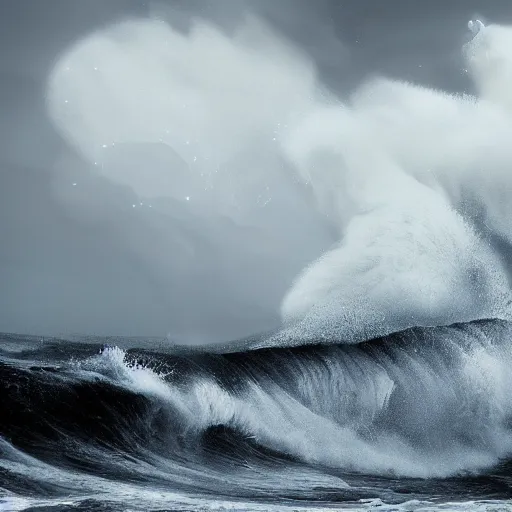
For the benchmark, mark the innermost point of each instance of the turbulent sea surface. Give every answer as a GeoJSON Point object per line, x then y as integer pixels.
{"type": "Point", "coordinates": [412, 421]}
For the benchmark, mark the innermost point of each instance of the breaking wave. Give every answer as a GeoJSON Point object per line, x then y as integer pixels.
{"type": "Point", "coordinates": [423, 403]}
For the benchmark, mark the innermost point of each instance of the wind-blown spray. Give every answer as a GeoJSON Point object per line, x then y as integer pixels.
{"type": "Point", "coordinates": [402, 173]}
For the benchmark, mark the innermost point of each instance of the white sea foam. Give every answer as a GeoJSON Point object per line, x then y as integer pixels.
{"type": "Point", "coordinates": [185, 503]}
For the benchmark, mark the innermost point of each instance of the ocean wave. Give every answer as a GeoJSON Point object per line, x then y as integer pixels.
{"type": "Point", "coordinates": [423, 403]}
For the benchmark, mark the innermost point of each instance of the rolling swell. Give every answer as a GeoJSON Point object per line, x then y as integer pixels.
{"type": "Point", "coordinates": [427, 402]}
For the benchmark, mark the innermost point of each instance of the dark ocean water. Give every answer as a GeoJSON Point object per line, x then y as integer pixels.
{"type": "Point", "coordinates": [413, 421]}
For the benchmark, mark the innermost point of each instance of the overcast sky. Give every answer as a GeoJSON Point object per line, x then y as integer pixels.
{"type": "Point", "coordinates": [120, 270]}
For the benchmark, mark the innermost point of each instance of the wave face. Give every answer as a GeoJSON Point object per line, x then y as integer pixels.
{"type": "Point", "coordinates": [296, 422]}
